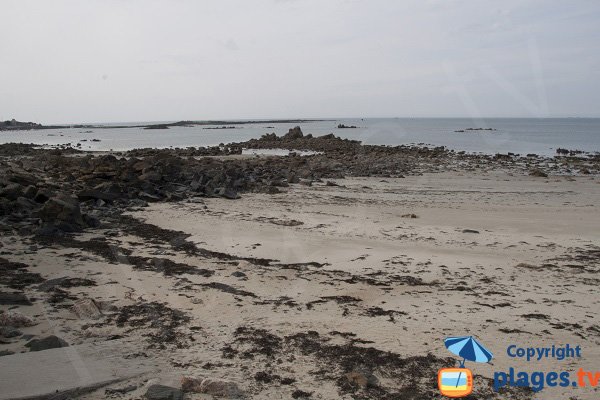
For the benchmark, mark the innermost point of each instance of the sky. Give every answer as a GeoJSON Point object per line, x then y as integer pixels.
{"type": "Point", "coordinates": [145, 60]}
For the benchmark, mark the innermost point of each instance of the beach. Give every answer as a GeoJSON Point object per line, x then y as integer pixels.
{"type": "Point", "coordinates": [333, 275]}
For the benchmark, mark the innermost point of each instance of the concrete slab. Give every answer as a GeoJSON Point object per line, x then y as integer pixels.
{"type": "Point", "coordinates": [67, 371]}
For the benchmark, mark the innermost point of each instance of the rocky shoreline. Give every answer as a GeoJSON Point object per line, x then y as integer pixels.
{"type": "Point", "coordinates": [44, 189]}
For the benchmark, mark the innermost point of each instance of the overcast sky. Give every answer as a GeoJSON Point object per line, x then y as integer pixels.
{"type": "Point", "coordinates": [128, 60]}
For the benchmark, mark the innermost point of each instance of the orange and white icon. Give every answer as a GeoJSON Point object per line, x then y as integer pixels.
{"type": "Point", "coordinates": [455, 382]}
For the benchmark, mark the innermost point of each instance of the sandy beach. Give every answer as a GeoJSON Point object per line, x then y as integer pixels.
{"type": "Point", "coordinates": [326, 288]}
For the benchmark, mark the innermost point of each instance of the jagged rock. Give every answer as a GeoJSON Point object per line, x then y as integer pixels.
{"type": "Point", "coordinates": [50, 342]}
{"type": "Point", "coordinates": [293, 133]}
{"type": "Point", "coordinates": [63, 212]}
{"type": "Point", "coordinates": [161, 392]}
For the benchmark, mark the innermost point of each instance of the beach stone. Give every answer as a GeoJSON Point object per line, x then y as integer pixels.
{"type": "Point", "coordinates": [362, 378]}
{"type": "Point", "coordinates": [9, 332]}
{"type": "Point", "coordinates": [469, 231]}
{"type": "Point", "coordinates": [49, 342]}
{"type": "Point", "coordinates": [227, 193]}
{"type": "Point", "coordinates": [14, 319]}
{"type": "Point", "coordinates": [161, 392]}
{"type": "Point", "coordinates": [85, 195]}
{"type": "Point", "coordinates": [62, 210]}
{"type": "Point", "coordinates": [538, 173]}
{"type": "Point", "coordinates": [14, 299]}
{"type": "Point", "coordinates": [86, 309]}
{"type": "Point", "coordinates": [214, 387]}
{"type": "Point", "coordinates": [42, 196]}
{"type": "Point", "coordinates": [12, 191]}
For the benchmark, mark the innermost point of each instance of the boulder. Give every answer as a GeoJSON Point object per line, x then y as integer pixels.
{"type": "Point", "coordinates": [62, 211]}
{"type": "Point", "coordinates": [50, 342]}
{"type": "Point", "coordinates": [214, 387]}
{"type": "Point", "coordinates": [227, 193]}
{"type": "Point", "coordinates": [85, 195]}
{"type": "Point", "coordinates": [362, 378]}
{"type": "Point", "coordinates": [293, 133]}
{"type": "Point", "coordinates": [86, 309]}
{"type": "Point", "coordinates": [538, 173]}
{"type": "Point", "coordinates": [14, 319]}
{"type": "Point", "coordinates": [14, 299]}
{"type": "Point", "coordinates": [12, 191]}
{"type": "Point", "coordinates": [161, 392]}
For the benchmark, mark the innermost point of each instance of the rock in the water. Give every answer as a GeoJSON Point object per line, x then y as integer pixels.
{"type": "Point", "coordinates": [50, 342]}
{"type": "Point", "coordinates": [161, 392]}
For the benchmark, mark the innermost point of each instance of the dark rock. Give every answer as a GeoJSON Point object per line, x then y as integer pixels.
{"type": "Point", "coordinates": [161, 392]}
{"type": "Point", "coordinates": [62, 211]}
{"type": "Point", "coordinates": [11, 191]}
{"type": "Point", "coordinates": [227, 193]}
{"type": "Point", "coordinates": [148, 197]}
{"type": "Point", "coordinates": [123, 390]}
{"type": "Point", "coordinates": [30, 191]}
{"type": "Point", "coordinates": [293, 133]}
{"type": "Point", "coordinates": [9, 332]}
{"type": "Point", "coordinates": [362, 378]}
{"type": "Point", "coordinates": [50, 342]}
{"type": "Point", "coordinates": [469, 231]}
{"type": "Point", "coordinates": [538, 173]}
{"type": "Point", "coordinates": [42, 196]}
{"type": "Point", "coordinates": [14, 299]}
{"type": "Point", "coordinates": [85, 195]}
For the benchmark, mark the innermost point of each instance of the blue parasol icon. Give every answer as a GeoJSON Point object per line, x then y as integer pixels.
{"type": "Point", "coordinates": [469, 349]}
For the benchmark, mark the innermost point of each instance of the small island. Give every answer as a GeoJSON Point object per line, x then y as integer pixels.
{"type": "Point", "coordinates": [342, 126]}
{"type": "Point", "coordinates": [14, 125]}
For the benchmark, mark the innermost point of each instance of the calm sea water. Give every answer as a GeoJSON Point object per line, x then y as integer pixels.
{"type": "Point", "coordinates": [517, 135]}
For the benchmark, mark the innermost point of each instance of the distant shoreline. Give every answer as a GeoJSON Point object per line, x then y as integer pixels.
{"type": "Point", "coordinates": [18, 125]}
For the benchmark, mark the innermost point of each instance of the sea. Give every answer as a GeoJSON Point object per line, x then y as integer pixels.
{"type": "Point", "coordinates": [516, 135]}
